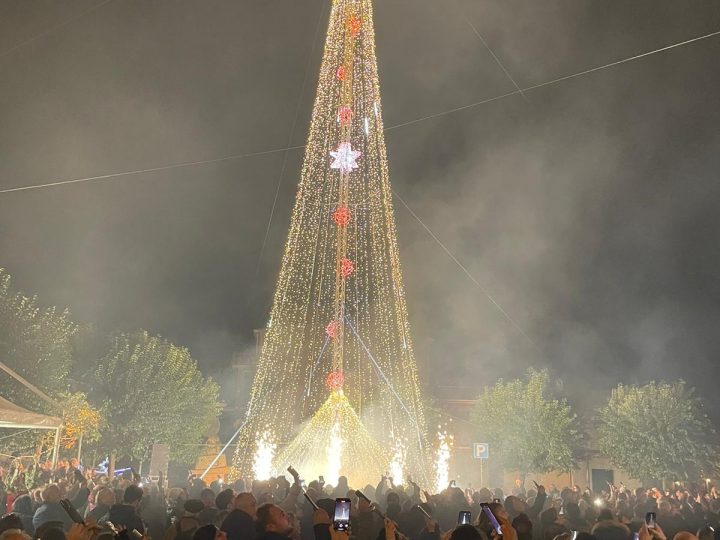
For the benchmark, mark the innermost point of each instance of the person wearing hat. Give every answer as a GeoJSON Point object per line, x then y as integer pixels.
{"type": "Point", "coordinates": [126, 514]}
{"type": "Point", "coordinates": [185, 526]}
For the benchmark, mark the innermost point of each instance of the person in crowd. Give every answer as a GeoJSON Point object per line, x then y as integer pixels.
{"type": "Point", "coordinates": [574, 519]}
{"type": "Point", "coordinates": [176, 502]}
{"type": "Point", "coordinates": [225, 500]}
{"type": "Point", "coordinates": [185, 526]}
{"type": "Point", "coordinates": [24, 508]}
{"type": "Point", "coordinates": [104, 500]}
{"type": "Point", "coordinates": [51, 509]}
{"type": "Point", "coordinates": [209, 511]}
{"type": "Point", "coordinates": [209, 532]}
{"type": "Point", "coordinates": [240, 522]}
{"type": "Point", "coordinates": [197, 484]}
{"type": "Point", "coordinates": [671, 519]}
{"type": "Point", "coordinates": [551, 525]}
{"type": "Point", "coordinates": [126, 514]}
{"type": "Point", "coordinates": [706, 533]}
{"type": "Point", "coordinates": [10, 521]}
{"type": "Point", "coordinates": [514, 506]}
{"type": "Point", "coordinates": [610, 530]}
{"type": "Point", "coordinates": [273, 523]}
{"type": "Point", "coordinates": [218, 484]}
{"type": "Point", "coordinates": [14, 534]}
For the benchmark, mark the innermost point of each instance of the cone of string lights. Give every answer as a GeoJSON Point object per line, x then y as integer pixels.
{"type": "Point", "coordinates": [337, 385]}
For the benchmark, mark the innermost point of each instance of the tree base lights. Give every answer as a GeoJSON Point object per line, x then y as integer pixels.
{"type": "Point", "coordinates": [335, 442]}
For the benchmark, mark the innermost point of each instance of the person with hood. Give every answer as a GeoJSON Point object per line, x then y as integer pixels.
{"type": "Point", "coordinates": [23, 507]}
{"type": "Point", "coordinates": [126, 514]}
{"type": "Point", "coordinates": [51, 509]}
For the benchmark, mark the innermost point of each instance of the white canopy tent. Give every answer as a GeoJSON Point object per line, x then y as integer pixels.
{"type": "Point", "coordinates": [15, 417]}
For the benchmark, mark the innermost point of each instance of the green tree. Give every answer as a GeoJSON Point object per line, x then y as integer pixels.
{"type": "Point", "coordinates": [527, 428]}
{"type": "Point", "coordinates": [658, 431]}
{"type": "Point", "coordinates": [151, 391]}
{"type": "Point", "coordinates": [35, 342]}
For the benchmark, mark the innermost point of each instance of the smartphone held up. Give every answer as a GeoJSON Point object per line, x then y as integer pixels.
{"type": "Point", "coordinates": [491, 517]}
{"type": "Point", "coordinates": [464, 517]}
{"type": "Point", "coordinates": [341, 517]}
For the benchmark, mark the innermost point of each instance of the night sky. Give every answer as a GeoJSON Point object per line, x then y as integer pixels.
{"type": "Point", "coordinates": [589, 210]}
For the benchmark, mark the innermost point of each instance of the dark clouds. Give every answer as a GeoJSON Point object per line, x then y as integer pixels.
{"type": "Point", "coordinates": [589, 211]}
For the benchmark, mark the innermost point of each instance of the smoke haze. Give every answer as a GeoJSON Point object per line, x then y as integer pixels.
{"type": "Point", "coordinates": [588, 210]}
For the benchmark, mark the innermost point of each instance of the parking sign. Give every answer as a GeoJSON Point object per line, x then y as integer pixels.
{"type": "Point", "coordinates": [481, 450]}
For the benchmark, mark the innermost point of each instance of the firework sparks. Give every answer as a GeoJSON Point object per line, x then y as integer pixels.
{"type": "Point", "coordinates": [264, 454]}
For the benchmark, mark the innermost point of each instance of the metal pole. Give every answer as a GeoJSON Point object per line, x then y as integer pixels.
{"type": "Point", "coordinates": [214, 461]}
{"type": "Point", "coordinates": [56, 448]}
{"type": "Point", "coordinates": [79, 456]}
{"type": "Point", "coordinates": [482, 485]}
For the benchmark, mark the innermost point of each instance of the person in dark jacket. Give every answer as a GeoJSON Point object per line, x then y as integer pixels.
{"type": "Point", "coordinates": [209, 511]}
{"type": "Point", "coordinates": [126, 514]}
{"type": "Point", "coordinates": [104, 500]}
{"type": "Point", "coordinates": [209, 532]}
{"type": "Point", "coordinates": [51, 509]}
{"type": "Point", "coordinates": [240, 523]}
{"type": "Point", "coordinates": [10, 521]}
{"type": "Point", "coordinates": [23, 507]}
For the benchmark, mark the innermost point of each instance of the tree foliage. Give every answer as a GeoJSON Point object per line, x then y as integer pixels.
{"type": "Point", "coordinates": [80, 419]}
{"type": "Point", "coordinates": [152, 392]}
{"type": "Point", "coordinates": [528, 430]}
{"type": "Point", "coordinates": [36, 343]}
{"type": "Point", "coordinates": [658, 431]}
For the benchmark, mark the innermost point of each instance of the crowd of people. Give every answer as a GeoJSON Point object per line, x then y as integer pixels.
{"type": "Point", "coordinates": [74, 505]}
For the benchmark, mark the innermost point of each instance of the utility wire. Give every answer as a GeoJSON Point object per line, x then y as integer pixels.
{"type": "Point", "coordinates": [396, 126]}
{"type": "Point", "coordinates": [464, 269]}
{"type": "Point", "coordinates": [53, 28]}
{"type": "Point", "coordinates": [152, 169]}
{"type": "Point", "coordinates": [492, 53]}
{"type": "Point", "coordinates": [290, 136]}
{"type": "Point", "coordinates": [554, 81]}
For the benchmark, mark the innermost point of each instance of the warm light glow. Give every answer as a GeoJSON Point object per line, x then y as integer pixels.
{"type": "Point", "coordinates": [335, 432]}
{"type": "Point", "coordinates": [397, 464]}
{"type": "Point", "coordinates": [264, 454]}
{"type": "Point", "coordinates": [343, 210]}
{"type": "Point", "coordinates": [442, 461]}
{"type": "Point", "coordinates": [334, 454]}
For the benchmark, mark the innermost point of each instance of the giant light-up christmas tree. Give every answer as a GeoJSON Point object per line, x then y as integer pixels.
{"type": "Point", "coordinates": [336, 391]}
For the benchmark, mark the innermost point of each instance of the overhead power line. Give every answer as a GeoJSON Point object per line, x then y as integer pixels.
{"type": "Point", "coordinates": [464, 269]}
{"type": "Point", "coordinates": [290, 135]}
{"type": "Point", "coordinates": [396, 126]}
{"type": "Point", "coordinates": [44, 33]}
{"type": "Point", "coordinates": [492, 53]}
{"type": "Point", "coordinates": [555, 81]}
{"type": "Point", "coordinates": [149, 170]}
